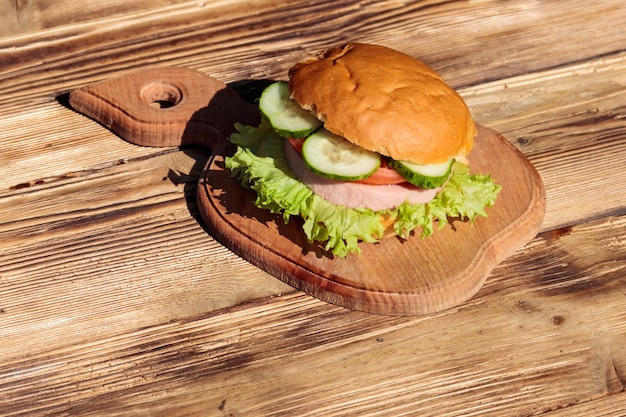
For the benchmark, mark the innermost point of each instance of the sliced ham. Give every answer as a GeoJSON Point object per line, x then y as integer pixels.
{"type": "Point", "coordinates": [354, 194]}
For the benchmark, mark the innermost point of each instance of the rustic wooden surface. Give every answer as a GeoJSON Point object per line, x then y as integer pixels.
{"type": "Point", "coordinates": [115, 300]}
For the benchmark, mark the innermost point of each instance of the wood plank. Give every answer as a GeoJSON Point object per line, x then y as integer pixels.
{"type": "Point", "coordinates": [564, 120]}
{"type": "Point", "coordinates": [51, 142]}
{"type": "Point", "coordinates": [604, 406]}
{"type": "Point", "coordinates": [540, 337]}
{"type": "Point", "coordinates": [215, 38]}
{"type": "Point", "coordinates": [35, 16]}
{"type": "Point", "coordinates": [112, 249]}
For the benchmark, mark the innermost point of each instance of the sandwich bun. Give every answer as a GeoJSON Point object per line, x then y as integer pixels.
{"type": "Point", "coordinates": [385, 101]}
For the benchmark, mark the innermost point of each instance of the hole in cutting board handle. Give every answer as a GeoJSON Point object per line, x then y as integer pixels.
{"type": "Point", "coordinates": [166, 106]}
{"type": "Point", "coordinates": [161, 95]}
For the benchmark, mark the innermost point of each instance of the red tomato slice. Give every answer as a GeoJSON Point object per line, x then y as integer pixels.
{"type": "Point", "coordinates": [383, 176]}
{"type": "Point", "coordinates": [297, 144]}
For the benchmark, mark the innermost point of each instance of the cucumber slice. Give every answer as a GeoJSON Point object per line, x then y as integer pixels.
{"type": "Point", "coordinates": [284, 114]}
{"type": "Point", "coordinates": [423, 176]}
{"type": "Point", "coordinates": [333, 157]}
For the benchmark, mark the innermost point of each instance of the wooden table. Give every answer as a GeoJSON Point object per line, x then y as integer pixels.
{"type": "Point", "coordinates": [115, 300]}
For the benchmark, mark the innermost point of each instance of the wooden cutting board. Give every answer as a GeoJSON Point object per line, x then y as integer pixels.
{"type": "Point", "coordinates": [395, 276]}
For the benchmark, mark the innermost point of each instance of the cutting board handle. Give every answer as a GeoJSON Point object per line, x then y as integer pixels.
{"type": "Point", "coordinates": [165, 107]}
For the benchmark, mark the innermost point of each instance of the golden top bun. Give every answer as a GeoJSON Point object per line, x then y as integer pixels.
{"type": "Point", "coordinates": [385, 101]}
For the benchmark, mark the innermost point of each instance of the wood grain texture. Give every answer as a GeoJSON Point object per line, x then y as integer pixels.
{"type": "Point", "coordinates": [165, 107]}
{"type": "Point", "coordinates": [222, 38]}
{"type": "Point", "coordinates": [114, 300]}
{"type": "Point", "coordinates": [116, 248]}
{"type": "Point", "coordinates": [507, 352]}
{"type": "Point", "coordinates": [394, 276]}
{"type": "Point", "coordinates": [573, 143]}
{"type": "Point", "coordinates": [34, 16]}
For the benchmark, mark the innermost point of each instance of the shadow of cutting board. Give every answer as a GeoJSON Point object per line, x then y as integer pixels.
{"type": "Point", "coordinates": [395, 276]}
{"type": "Point", "coordinates": [172, 106]}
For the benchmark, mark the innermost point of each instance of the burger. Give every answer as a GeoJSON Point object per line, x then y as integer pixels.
{"type": "Point", "coordinates": [362, 143]}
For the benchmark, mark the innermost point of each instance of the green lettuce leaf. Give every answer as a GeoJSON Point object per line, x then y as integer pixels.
{"type": "Point", "coordinates": [260, 164]}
